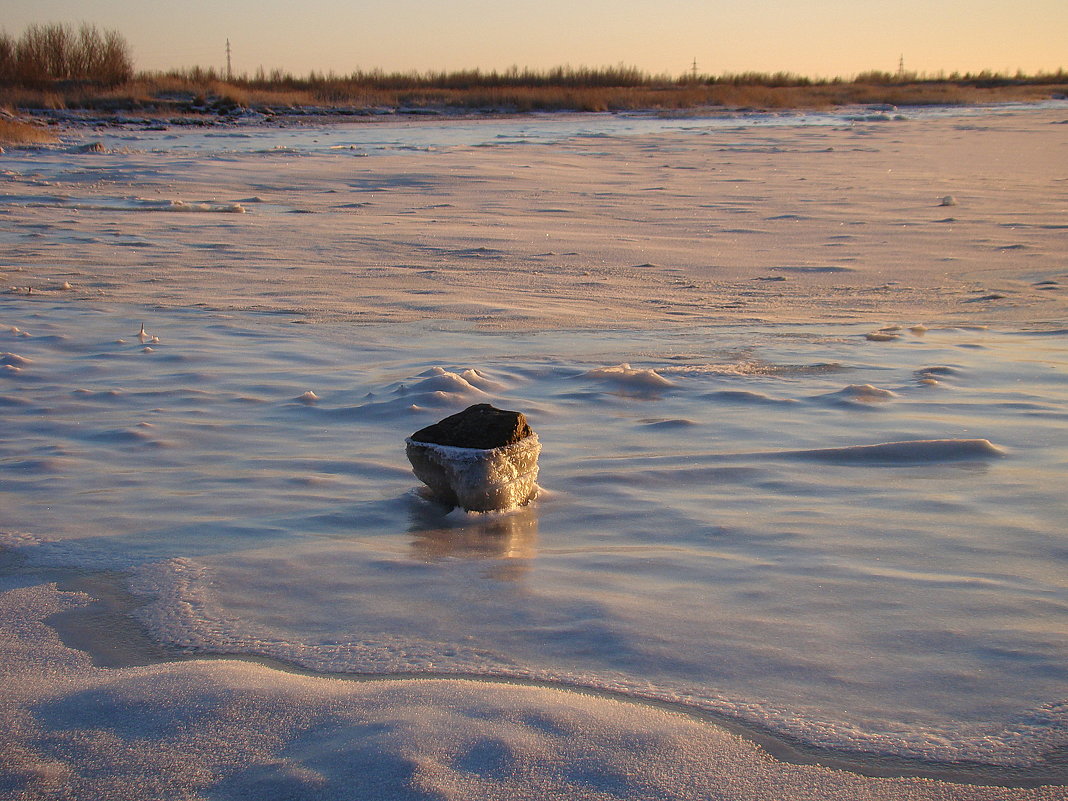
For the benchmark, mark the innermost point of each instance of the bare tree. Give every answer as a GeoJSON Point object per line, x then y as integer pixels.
{"type": "Point", "coordinates": [116, 63]}
{"type": "Point", "coordinates": [7, 58]}
{"type": "Point", "coordinates": [48, 53]}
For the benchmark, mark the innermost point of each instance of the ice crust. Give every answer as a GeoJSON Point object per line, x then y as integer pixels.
{"type": "Point", "coordinates": [476, 479]}
{"type": "Point", "coordinates": [801, 507]}
{"type": "Point", "coordinates": [633, 619]}
{"type": "Point", "coordinates": [241, 730]}
{"type": "Point", "coordinates": [133, 204]}
{"type": "Point", "coordinates": [912, 452]}
{"type": "Point", "coordinates": [627, 376]}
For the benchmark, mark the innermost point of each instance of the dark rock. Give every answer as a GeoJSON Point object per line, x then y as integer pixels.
{"type": "Point", "coordinates": [482, 459]}
{"type": "Point", "coordinates": [481, 426]}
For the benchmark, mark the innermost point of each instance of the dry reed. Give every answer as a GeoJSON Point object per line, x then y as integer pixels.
{"type": "Point", "coordinates": [57, 67]}
{"type": "Point", "coordinates": [171, 93]}
{"type": "Point", "coordinates": [17, 132]}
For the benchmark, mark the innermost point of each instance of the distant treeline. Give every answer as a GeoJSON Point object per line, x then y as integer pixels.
{"type": "Point", "coordinates": [58, 66]}
{"type": "Point", "coordinates": [620, 77]}
{"type": "Point", "coordinates": [585, 89]}
{"type": "Point", "coordinates": [49, 54]}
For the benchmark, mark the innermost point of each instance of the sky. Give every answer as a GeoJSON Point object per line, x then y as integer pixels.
{"type": "Point", "coordinates": [817, 38]}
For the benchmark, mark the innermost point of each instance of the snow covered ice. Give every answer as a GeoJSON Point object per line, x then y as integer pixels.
{"type": "Point", "coordinates": [812, 548]}
{"type": "Point", "coordinates": [479, 480]}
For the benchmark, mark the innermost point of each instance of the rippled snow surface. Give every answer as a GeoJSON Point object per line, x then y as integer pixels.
{"type": "Point", "coordinates": [855, 541]}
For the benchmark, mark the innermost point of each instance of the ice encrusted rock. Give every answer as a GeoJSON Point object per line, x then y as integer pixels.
{"type": "Point", "coordinates": [482, 459]}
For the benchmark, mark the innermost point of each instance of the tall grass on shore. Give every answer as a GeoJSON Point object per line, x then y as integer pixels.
{"type": "Point", "coordinates": [58, 67]}
{"type": "Point", "coordinates": [17, 132]}
{"type": "Point", "coordinates": [612, 88]}
{"type": "Point", "coordinates": [203, 91]}
{"type": "Point", "coordinates": [169, 95]}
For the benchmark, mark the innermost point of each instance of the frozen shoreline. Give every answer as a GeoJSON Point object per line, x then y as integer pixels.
{"type": "Point", "coordinates": [106, 629]}
{"type": "Point", "coordinates": [340, 115]}
{"type": "Point", "coordinates": [461, 729]}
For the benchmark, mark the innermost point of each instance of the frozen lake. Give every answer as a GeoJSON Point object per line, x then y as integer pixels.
{"type": "Point", "coordinates": [846, 531]}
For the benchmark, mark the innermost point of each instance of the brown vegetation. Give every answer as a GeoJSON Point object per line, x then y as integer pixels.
{"type": "Point", "coordinates": [56, 67]}
{"type": "Point", "coordinates": [47, 54]}
{"type": "Point", "coordinates": [610, 89]}
{"type": "Point", "coordinates": [16, 132]}
{"type": "Point", "coordinates": [170, 94]}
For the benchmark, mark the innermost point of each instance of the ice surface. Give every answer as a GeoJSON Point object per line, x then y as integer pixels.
{"type": "Point", "coordinates": [766, 555]}
{"type": "Point", "coordinates": [120, 204]}
{"type": "Point", "coordinates": [852, 542]}
{"type": "Point", "coordinates": [929, 451]}
{"type": "Point", "coordinates": [478, 480]}
{"type": "Point", "coordinates": [229, 729]}
{"type": "Point", "coordinates": [627, 376]}
{"type": "Point", "coordinates": [442, 234]}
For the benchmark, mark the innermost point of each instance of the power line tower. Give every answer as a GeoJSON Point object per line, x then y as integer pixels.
{"type": "Point", "coordinates": [901, 66]}
{"type": "Point", "coordinates": [694, 69]}
{"type": "Point", "coordinates": [229, 68]}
